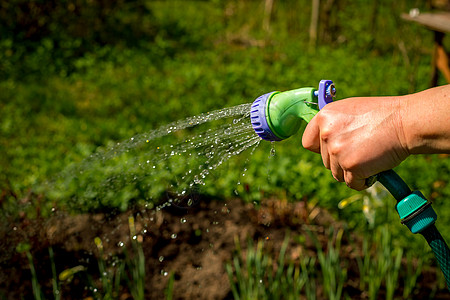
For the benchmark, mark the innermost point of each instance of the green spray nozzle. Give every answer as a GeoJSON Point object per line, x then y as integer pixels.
{"type": "Point", "coordinates": [286, 110]}
{"type": "Point", "coordinates": [278, 115]}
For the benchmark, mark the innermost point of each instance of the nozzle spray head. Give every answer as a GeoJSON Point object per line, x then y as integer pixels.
{"type": "Point", "coordinates": [278, 115]}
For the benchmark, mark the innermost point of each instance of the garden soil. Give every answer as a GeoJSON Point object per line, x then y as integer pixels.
{"type": "Point", "coordinates": [188, 245]}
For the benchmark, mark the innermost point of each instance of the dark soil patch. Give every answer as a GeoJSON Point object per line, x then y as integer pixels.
{"type": "Point", "coordinates": [190, 245]}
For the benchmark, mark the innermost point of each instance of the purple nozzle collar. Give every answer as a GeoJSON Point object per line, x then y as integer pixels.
{"type": "Point", "coordinates": [259, 119]}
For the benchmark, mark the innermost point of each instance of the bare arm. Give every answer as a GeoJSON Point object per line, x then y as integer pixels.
{"type": "Point", "coordinates": [426, 121]}
{"type": "Point", "coordinates": [360, 137]}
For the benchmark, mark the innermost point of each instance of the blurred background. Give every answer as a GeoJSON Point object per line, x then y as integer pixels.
{"type": "Point", "coordinates": [78, 76]}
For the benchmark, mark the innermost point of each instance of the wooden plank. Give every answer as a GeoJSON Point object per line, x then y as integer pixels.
{"type": "Point", "coordinates": [439, 21]}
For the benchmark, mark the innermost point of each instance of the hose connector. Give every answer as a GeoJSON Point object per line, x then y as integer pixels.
{"type": "Point", "coordinates": [416, 212]}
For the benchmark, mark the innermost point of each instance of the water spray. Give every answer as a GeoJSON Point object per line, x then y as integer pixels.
{"type": "Point", "coordinates": [276, 116]}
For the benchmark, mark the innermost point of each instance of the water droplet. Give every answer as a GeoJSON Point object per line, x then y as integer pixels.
{"type": "Point", "coordinates": [161, 258]}
{"type": "Point", "coordinates": [235, 121]}
{"type": "Point", "coordinates": [197, 180]}
{"type": "Point", "coordinates": [189, 203]}
{"type": "Point", "coordinates": [183, 220]}
{"type": "Point", "coordinates": [120, 244]}
{"type": "Point", "coordinates": [173, 236]}
{"type": "Point", "coordinates": [272, 149]}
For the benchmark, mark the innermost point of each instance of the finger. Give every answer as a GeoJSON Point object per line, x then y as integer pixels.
{"type": "Point", "coordinates": [354, 182]}
{"type": "Point", "coordinates": [311, 136]}
{"type": "Point", "coordinates": [325, 156]}
{"type": "Point", "coordinates": [336, 170]}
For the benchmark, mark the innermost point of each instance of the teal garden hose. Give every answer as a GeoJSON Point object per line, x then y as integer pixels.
{"type": "Point", "coordinates": [278, 115]}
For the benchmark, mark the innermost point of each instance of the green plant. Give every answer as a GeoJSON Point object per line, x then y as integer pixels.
{"type": "Point", "coordinates": [308, 270]}
{"type": "Point", "coordinates": [25, 248]}
{"type": "Point", "coordinates": [255, 275]}
{"type": "Point", "coordinates": [169, 289]}
{"type": "Point", "coordinates": [109, 278]}
{"type": "Point", "coordinates": [413, 270]}
{"type": "Point", "coordinates": [334, 272]}
{"type": "Point", "coordinates": [55, 281]}
{"type": "Point", "coordinates": [379, 263]}
{"type": "Point", "coordinates": [135, 262]}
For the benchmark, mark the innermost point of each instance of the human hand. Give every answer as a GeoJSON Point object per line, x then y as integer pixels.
{"type": "Point", "coordinates": [358, 138]}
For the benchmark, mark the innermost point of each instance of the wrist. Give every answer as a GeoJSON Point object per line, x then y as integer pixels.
{"type": "Point", "coordinates": [405, 130]}
{"type": "Point", "coordinates": [402, 126]}
{"type": "Point", "coordinates": [425, 121]}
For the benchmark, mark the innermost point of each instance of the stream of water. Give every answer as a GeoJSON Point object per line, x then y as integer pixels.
{"type": "Point", "coordinates": [170, 162]}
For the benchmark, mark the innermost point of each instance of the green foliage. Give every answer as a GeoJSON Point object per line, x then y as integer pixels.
{"type": "Point", "coordinates": [44, 37]}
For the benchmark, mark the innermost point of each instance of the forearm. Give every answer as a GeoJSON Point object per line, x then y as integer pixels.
{"type": "Point", "coordinates": [425, 118]}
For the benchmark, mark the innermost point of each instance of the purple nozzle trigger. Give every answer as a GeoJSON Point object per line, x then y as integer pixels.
{"type": "Point", "coordinates": [326, 92]}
